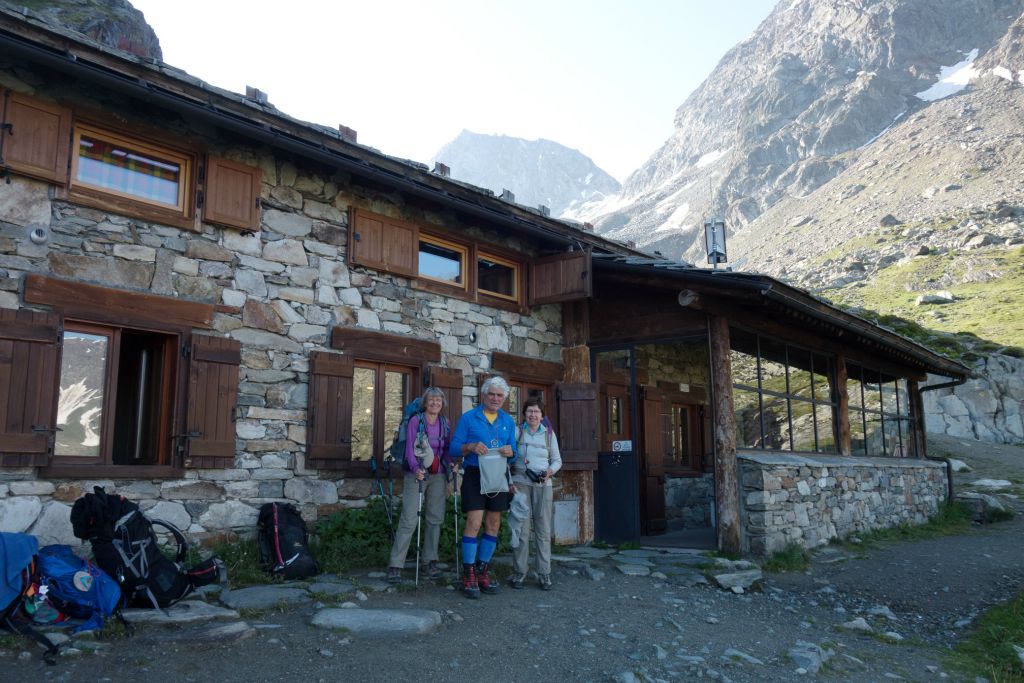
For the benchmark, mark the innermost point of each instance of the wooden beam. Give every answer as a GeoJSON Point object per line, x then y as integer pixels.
{"type": "Point", "coordinates": [842, 406]}
{"type": "Point", "coordinates": [106, 304]}
{"type": "Point", "coordinates": [384, 347]}
{"type": "Point", "coordinates": [522, 367]}
{"type": "Point", "coordinates": [726, 478]}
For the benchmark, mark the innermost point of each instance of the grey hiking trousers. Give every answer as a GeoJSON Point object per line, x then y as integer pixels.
{"type": "Point", "coordinates": [435, 490]}
{"type": "Point", "coordinates": [539, 498]}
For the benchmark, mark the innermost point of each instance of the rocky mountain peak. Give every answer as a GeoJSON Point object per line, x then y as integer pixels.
{"type": "Point", "coordinates": [537, 172]}
{"type": "Point", "coordinates": [785, 110]}
{"type": "Point", "coordinates": [114, 23]}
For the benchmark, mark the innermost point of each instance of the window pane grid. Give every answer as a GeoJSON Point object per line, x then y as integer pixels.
{"type": "Point", "coordinates": [792, 406]}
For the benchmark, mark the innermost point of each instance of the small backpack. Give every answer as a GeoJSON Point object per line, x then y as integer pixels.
{"type": "Point", "coordinates": [77, 588]}
{"type": "Point", "coordinates": [413, 409]}
{"type": "Point", "coordinates": [125, 546]}
{"type": "Point", "coordinates": [19, 586]}
{"type": "Point", "coordinates": [284, 542]}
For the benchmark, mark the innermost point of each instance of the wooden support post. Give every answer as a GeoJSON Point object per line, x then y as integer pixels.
{"type": "Point", "coordinates": [916, 407]}
{"type": "Point", "coordinates": [576, 361]}
{"type": "Point", "coordinates": [726, 478]}
{"type": "Point", "coordinates": [842, 406]}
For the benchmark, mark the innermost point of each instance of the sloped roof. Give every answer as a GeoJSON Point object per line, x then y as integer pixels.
{"type": "Point", "coordinates": [771, 293]}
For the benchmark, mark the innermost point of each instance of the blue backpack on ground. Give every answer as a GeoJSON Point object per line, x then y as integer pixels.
{"type": "Point", "coordinates": [77, 587]}
{"type": "Point", "coordinates": [413, 409]}
{"type": "Point", "coordinates": [19, 584]}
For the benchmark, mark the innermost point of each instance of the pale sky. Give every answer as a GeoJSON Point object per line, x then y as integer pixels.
{"type": "Point", "coordinates": [601, 76]}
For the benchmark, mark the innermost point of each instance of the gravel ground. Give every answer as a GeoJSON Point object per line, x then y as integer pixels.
{"type": "Point", "coordinates": [617, 626]}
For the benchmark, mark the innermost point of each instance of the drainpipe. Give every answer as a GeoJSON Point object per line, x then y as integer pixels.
{"type": "Point", "coordinates": [949, 465]}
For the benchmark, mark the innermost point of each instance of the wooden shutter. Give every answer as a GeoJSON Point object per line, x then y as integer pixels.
{"type": "Point", "coordinates": [232, 194]}
{"type": "Point", "coordinates": [212, 397]}
{"type": "Point", "coordinates": [451, 382]}
{"type": "Point", "coordinates": [562, 277]}
{"type": "Point", "coordinates": [329, 427]}
{"type": "Point", "coordinates": [577, 425]}
{"type": "Point", "coordinates": [383, 243]}
{"type": "Point", "coordinates": [36, 138]}
{"type": "Point", "coordinates": [28, 386]}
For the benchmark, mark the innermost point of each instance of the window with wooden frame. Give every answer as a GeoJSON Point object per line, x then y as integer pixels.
{"type": "Point", "coordinates": [114, 383]}
{"type": "Point", "coordinates": [686, 437]}
{"type": "Point", "coordinates": [498, 277]}
{"type": "Point", "coordinates": [380, 392]}
{"type": "Point", "coordinates": [437, 260]}
{"type": "Point", "coordinates": [125, 172]}
{"type": "Point", "coordinates": [115, 396]}
{"type": "Point", "coordinates": [133, 173]}
{"type": "Point", "coordinates": [443, 261]}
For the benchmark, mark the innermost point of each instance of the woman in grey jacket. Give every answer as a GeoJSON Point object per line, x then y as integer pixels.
{"type": "Point", "coordinates": [538, 461]}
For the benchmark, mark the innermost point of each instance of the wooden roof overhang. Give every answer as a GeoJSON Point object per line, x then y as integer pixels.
{"type": "Point", "coordinates": [772, 307]}
{"type": "Point", "coordinates": [35, 42]}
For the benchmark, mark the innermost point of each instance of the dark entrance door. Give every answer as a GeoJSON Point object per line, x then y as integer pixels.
{"type": "Point", "coordinates": [616, 519]}
{"type": "Point", "coordinates": [656, 449]}
{"type": "Point", "coordinates": [616, 499]}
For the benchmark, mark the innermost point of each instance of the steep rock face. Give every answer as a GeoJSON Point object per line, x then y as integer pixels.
{"type": "Point", "coordinates": [782, 111]}
{"type": "Point", "coordinates": [536, 171]}
{"type": "Point", "coordinates": [114, 23]}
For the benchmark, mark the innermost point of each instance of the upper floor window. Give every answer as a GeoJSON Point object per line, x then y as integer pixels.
{"type": "Point", "coordinates": [130, 168]}
{"type": "Point", "coordinates": [115, 167]}
{"type": "Point", "coordinates": [443, 261]}
{"type": "Point", "coordinates": [497, 277]}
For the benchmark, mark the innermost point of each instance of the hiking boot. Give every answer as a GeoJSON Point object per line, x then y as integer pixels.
{"type": "Point", "coordinates": [432, 571]}
{"type": "Point", "coordinates": [545, 581]}
{"type": "Point", "coordinates": [470, 587]}
{"type": "Point", "coordinates": [516, 581]}
{"type": "Point", "coordinates": [487, 584]}
{"type": "Point", "coordinates": [394, 575]}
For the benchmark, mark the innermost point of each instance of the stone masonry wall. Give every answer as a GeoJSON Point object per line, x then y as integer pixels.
{"type": "Point", "coordinates": [688, 501]}
{"type": "Point", "coordinates": [279, 292]}
{"type": "Point", "coordinates": [810, 500]}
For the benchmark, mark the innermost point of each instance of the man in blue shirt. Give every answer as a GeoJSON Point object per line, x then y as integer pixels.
{"type": "Point", "coordinates": [486, 428]}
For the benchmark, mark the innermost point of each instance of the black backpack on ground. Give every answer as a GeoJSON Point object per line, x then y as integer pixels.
{"type": "Point", "coordinates": [125, 546]}
{"type": "Point", "coordinates": [284, 542]}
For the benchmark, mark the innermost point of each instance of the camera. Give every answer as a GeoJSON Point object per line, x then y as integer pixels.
{"type": "Point", "coordinates": [535, 477]}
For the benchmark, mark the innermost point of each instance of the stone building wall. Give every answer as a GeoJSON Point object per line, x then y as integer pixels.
{"type": "Point", "coordinates": [688, 501]}
{"type": "Point", "coordinates": [279, 292]}
{"type": "Point", "coordinates": [810, 500]}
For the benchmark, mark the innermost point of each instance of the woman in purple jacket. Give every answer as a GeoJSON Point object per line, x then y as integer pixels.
{"type": "Point", "coordinates": [432, 480]}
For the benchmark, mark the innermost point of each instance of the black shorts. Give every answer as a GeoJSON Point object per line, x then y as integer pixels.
{"type": "Point", "coordinates": [472, 499]}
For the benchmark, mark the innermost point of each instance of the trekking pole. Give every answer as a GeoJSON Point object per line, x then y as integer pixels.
{"type": "Point", "coordinates": [455, 508]}
{"type": "Point", "coordinates": [379, 486]}
{"type": "Point", "coordinates": [419, 523]}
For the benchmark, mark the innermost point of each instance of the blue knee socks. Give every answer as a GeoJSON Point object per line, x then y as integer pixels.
{"type": "Point", "coordinates": [487, 545]}
{"type": "Point", "coordinates": [469, 549]}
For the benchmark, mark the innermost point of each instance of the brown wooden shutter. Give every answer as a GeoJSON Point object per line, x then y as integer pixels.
{"type": "Point", "coordinates": [451, 382]}
{"type": "Point", "coordinates": [329, 427]}
{"type": "Point", "coordinates": [28, 386]}
{"type": "Point", "coordinates": [212, 397]}
{"type": "Point", "coordinates": [383, 243]}
{"type": "Point", "coordinates": [577, 420]}
{"type": "Point", "coordinates": [36, 138]}
{"type": "Point", "coordinates": [562, 277]}
{"type": "Point", "coordinates": [232, 194]}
